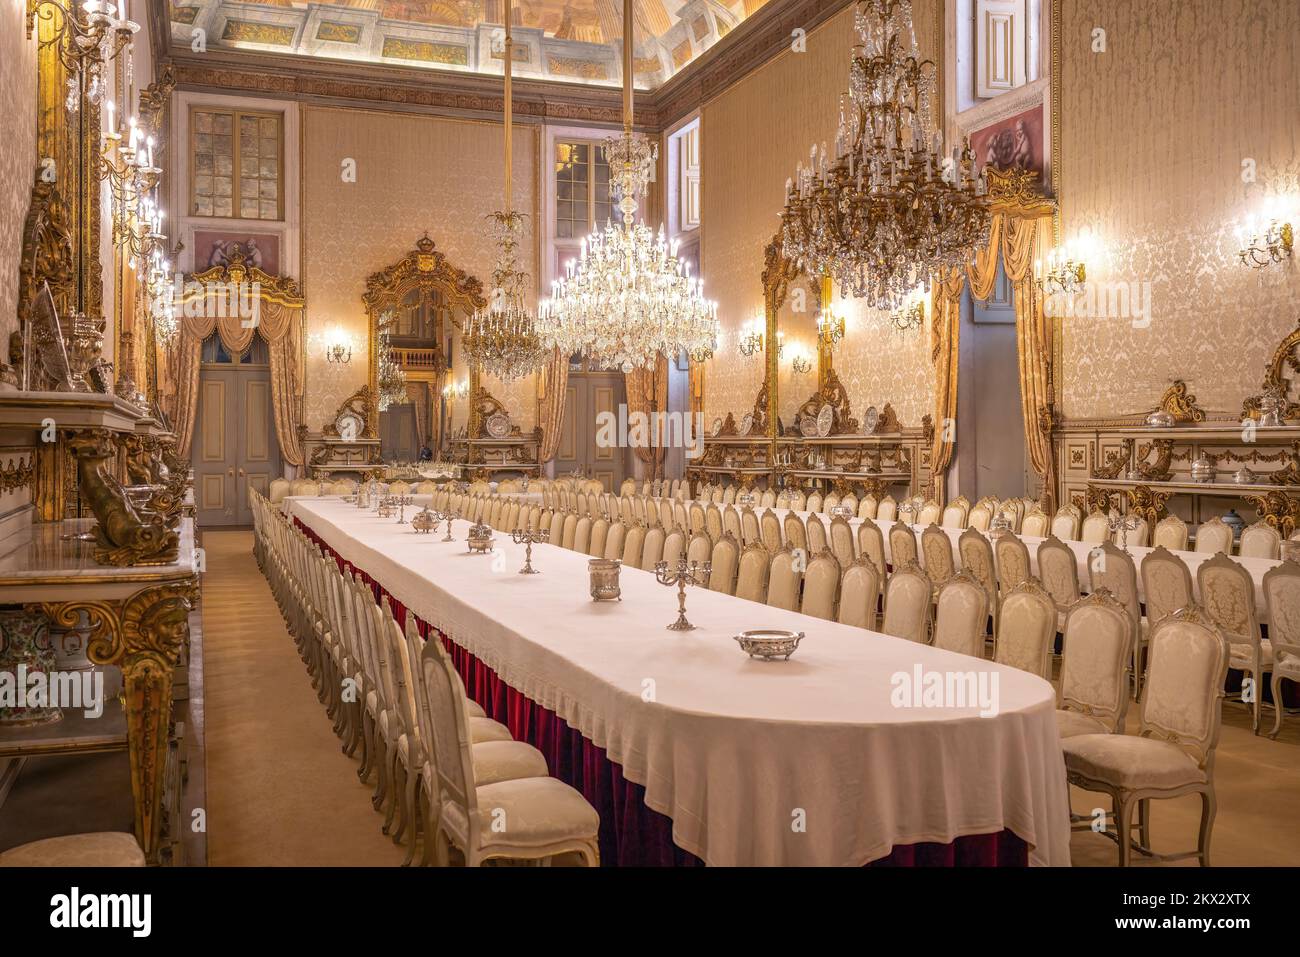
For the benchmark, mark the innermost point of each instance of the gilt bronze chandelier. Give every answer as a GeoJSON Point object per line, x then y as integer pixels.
{"type": "Point", "coordinates": [886, 209]}
{"type": "Point", "coordinates": [629, 299]}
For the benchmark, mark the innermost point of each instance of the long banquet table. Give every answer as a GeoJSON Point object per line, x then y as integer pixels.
{"type": "Point", "coordinates": [737, 761]}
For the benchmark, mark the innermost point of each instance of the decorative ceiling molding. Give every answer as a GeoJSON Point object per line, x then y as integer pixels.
{"type": "Point", "coordinates": [765, 34]}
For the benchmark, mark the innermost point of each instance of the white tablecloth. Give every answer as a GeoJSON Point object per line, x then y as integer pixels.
{"type": "Point", "coordinates": [1256, 566]}
{"type": "Point", "coordinates": [736, 751]}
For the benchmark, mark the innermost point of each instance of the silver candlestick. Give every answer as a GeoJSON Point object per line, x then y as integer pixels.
{"type": "Point", "coordinates": [1122, 524]}
{"type": "Point", "coordinates": [686, 573]}
{"type": "Point", "coordinates": [448, 516]}
{"type": "Point", "coordinates": [527, 537]}
{"type": "Point", "coordinates": [402, 502]}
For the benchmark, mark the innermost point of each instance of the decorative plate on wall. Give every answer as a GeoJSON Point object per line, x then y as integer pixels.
{"type": "Point", "coordinates": [808, 427]}
{"type": "Point", "coordinates": [717, 427]}
{"type": "Point", "coordinates": [825, 419]}
{"type": "Point", "coordinates": [498, 425]}
{"type": "Point", "coordinates": [869, 419]}
{"type": "Point", "coordinates": [746, 423]}
{"type": "Point", "coordinates": [349, 425]}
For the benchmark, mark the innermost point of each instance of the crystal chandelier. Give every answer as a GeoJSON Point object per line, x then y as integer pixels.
{"type": "Point", "coordinates": [502, 338]}
{"type": "Point", "coordinates": [629, 299]}
{"type": "Point", "coordinates": [886, 209]}
{"type": "Point", "coordinates": [392, 380]}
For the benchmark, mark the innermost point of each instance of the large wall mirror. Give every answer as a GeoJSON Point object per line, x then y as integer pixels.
{"type": "Point", "coordinates": [416, 309]}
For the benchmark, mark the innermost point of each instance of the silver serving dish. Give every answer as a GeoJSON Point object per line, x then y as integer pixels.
{"type": "Point", "coordinates": [1244, 476]}
{"type": "Point", "coordinates": [1161, 419]}
{"type": "Point", "coordinates": [424, 521]}
{"type": "Point", "coordinates": [480, 538]}
{"type": "Point", "coordinates": [769, 643]}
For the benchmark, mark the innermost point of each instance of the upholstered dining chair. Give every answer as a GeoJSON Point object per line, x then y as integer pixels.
{"type": "Point", "coordinates": [680, 516]}
{"type": "Point", "coordinates": [529, 818]}
{"type": "Point", "coordinates": [1173, 751]}
{"type": "Point", "coordinates": [749, 527]}
{"type": "Point", "coordinates": [1260, 540]}
{"type": "Point", "coordinates": [859, 594]}
{"type": "Point", "coordinates": [1096, 528]}
{"type": "Point", "coordinates": [731, 523]}
{"type": "Point", "coordinates": [1027, 629]}
{"type": "Point", "coordinates": [981, 516]}
{"type": "Point", "coordinates": [663, 514]}
{"type": "Point", "coordinates": [724, 560]}
{"type": "Point", "coordinates": [596, 542]}
{"type": "Point", "coordinates": [699, 548]}
{"type": "Point", "coordinates": [799, 500]}
{"type": "Point", "coordinates": [1228, 595]}
{"type": "Point", "coordinates": [976, 554]}
{"type": "Point", "coordinates": [674, 547]}
{"type": "Point", "coordinates": [1110, 567]}
{"type": "Point", "coordinates": [956, 513]}
{"type": "Point", "coordinates": [652, 552]}
{"type": "Point", "coordinates": [633, 546]}
{"type": "Point", "coordinates": [814, 502]}
{"type": "Point", "coordinates": [867, 507]}
{"type": "Point", "coordinates": [796, 535]}
{"type": "Point", "coordinates": [841, 541]}
{"type": "Point", "coordinates": [1139, 534]}
{"type": "Point", "coordinates": [871, 543]}
{"type": "Point", "coordinates": [696, 517]}
{"type": "Point", "coordinates": [569, 535]}
{"type": "Point", "coordinates": [783, 580]}
{"type": "Point", "coordinates": [557, 528]}
{"type": "Point", "coordinates": [1166, 584]}
{"type": "Point", "coordinates": [1214, 536]}
{"type": "Point", "coordinates": [94, 849]}
{"type": "Point", "coordinates": [1012, 561]}
{"type": "Point", "coordinates": [768, 499]}
{"type": "Point", "coordinates": [887, 510]}
{"type": "Point", "coordinates": [902, 544]}
{"type": "Point", "coordinates": [821, 586]}
{"type": "Point", "coordinates": [817, 539]}
{"type": "Point", "coordinates": [929, 513]}
{"type": "Point", "coordinates": [783, 498]}
{"type": "Point", "coordinates": [729, 495]}
{"type": "Point", "coordinates": [751, 580]}
{"type": "Point", "coordinates": [961, 614]}
{"type": "Point", "coordinates": [1035, 523]}
{"type": "Point", "coordinates": [278, 489]}
{"type": "Point", "coordinates": [1058, 570]}
{"type": "Point", "coordinates": [831, 500]}
{"type": "Point", "coordinates": [1013, 510]}
{"type": "Point", "coordinates": [1096, 654]}
{"type": "Point", "coordinates": [770, 531]}
{"type": "Point", "coordinates": [936, 551]}
{"type": "Point", "coordinates": [1282, 595]}
{"type": "Point", "coordinates": [908, 598]}
{"type": "Point", "coordinates": [850, 501]}
{"type": "Point", "coordinates": [1065, 523]}
{"type": "Point", "coordinates": [1171, 532]}
{"type": "Point", "coordinates": [713, 521]}
{"type": "Point", "coordinates": [615, 539]}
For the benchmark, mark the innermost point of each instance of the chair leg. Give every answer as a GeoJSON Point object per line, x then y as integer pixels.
{"type": "Point", "coordinates": [1144, 823]}
{"type": "Point", "coordinates": [1277, 704]}
{"type": "Point", "coordinates": [1258, 689]}
{"type": "Point", "coordinates": [1207, 825]}
{"type": "Point", "coordinates": [381, 768]}
{"type": "Point", "coordinates": [368, 747]}
{"type": "Point", "coordinates": [410, 819]}
{"type": "Point", "coordinates": [395, 822]}
{"type": "Point", "coordinates": [1122, 811]}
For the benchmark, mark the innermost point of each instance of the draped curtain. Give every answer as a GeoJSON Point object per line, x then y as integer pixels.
{"type": "Point", "coordinates": [552, 387]}
{"type": "Point", "coordinates": [280, 326]}
{"type": "Point", "coordinates": [647, 392]}
{"type": "Point", "coordinates": [418, 393]}
{"type": "Point", "coordinates": [1016, 240]}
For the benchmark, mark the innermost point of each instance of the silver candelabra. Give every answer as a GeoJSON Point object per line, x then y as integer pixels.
{"type": "Point", "coordinates": [528, 537]}
{"type": "Point", "coordinates": [686, 573]}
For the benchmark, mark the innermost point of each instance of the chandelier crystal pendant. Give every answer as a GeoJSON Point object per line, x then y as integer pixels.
{"type": "Point", "coordinates": [886, 209]}
{"type": "Point", "coordinates": [629, 299]}
{"type": "Point", "coordinates": [502, 337]}
{"type": "Point", "coordinates": [392, 380]}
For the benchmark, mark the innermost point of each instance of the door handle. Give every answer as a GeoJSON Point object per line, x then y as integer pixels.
{"type": "Point", "coordinates": [241, 473]}
{"type": "Point", "coordinates": [231, 472]}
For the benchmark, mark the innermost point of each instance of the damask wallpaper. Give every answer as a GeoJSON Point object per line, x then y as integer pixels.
{"type": "Point", "coordinates": [18, 158]}
{"type": "Point", "coordinates": [412, 174]}
{"type": "Point", "coordinates": [752, 137]}
{"type": "Point", "coordinates": [1163, 195]}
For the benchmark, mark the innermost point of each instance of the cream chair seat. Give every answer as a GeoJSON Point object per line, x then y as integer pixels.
{"type": "Point", "coordinates": [97, 849]}
{"type": "Point", "coordinates": [1282, 595]}
{"type": "Point", "coordinates": [1072, 723]}
{"type": "Point", "coordinates": [1127, 762]}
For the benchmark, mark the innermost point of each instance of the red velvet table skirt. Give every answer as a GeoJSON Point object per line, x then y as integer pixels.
{"type": "Point", "coordinates": [632, 834]}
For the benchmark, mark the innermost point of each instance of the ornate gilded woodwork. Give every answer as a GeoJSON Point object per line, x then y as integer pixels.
{"type": "Point", "coordinates": [124, 534]}
{"type": "Point", "coordinates": [1116, 461]}
{"type": "Point", "coordinates": [1157, 470]}
{"type": "Point", "coordinates": [887, 423]}
{"type": "Point", "coordinates": [1278, 509]}
{"type": "Point", "coordinates": [362, 403]}
{"type": "Point", "coordinates": [833, 393]}
{"type": "Point", "coordinates": [1096, 499]}
{"type": "Point", "coordinates": [1147, 502]}
{"type": "Point", "coordinates": [16, 475]}
{"type": "Point", "coordinates": [1285, 356]}
{"type": "Point", "coordinates": [1181, 404]}
{"type": "Point", "coordinates": [143, 635]}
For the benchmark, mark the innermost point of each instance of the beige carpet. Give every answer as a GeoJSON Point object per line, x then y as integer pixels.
{"type": "Point", "coordinates": [280, 790]}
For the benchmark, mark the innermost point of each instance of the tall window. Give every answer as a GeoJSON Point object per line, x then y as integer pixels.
{"type": "Point", "coordinates": [238, 164]}
{"type": "Point", "coordinates": [687, 144]}
{"type": "Point", "coordinates": [582, 201]}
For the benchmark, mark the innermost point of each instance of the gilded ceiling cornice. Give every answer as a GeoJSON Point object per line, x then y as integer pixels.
{"type": "Point", "coordinates": [759, 38]}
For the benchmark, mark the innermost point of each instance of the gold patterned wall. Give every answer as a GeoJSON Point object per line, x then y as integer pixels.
{"type": "Point", "coordinates": [18, 156]}
{"type": "Point", "coordinates": [1158, 134]}
{"type": "Point", "coordinates": [413, 173]}
{"type": "Point", "coordinates": [752, 136]}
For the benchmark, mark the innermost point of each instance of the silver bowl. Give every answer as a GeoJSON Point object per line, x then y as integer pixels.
{"type": "Point", "coordinates": [769, 643]}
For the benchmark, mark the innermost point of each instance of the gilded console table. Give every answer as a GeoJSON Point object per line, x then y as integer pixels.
{"type": "Point", "coordinates": [138, 620]}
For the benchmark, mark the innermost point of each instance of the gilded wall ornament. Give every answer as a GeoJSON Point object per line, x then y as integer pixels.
{"type": "Point", "coordinates": [1181, 404]}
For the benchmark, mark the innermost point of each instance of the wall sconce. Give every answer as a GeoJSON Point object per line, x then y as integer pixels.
{"type": "Point", "coordinates": [1271, 246]}
{"type": "Point", "coordinates": [1063, 273]}
{"type": "Point", "coordinates": [455, 391]}
{"type": "Point", "coordinates": [335, 345]}
{"type": "Point", "coordinates": [751, 338]}
{"type": "Point", "coordinates": [702, 354]}
{"type": "Point", "coordinates": [801, 363]}
{"type": "Point", "coordinates": [830, 328]}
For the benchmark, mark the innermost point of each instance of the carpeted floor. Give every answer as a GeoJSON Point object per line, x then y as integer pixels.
{"type": "Point", "coordinates": [280, 789]}
{"type": "Point", "coordinates": [281, 792]}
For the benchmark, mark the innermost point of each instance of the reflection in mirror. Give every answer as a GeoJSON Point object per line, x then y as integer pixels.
{"type": "Point", "coordinates": [796, 323]}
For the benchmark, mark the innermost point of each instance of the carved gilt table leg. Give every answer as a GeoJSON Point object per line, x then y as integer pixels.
{"type": "Point", "coordinates": [142, 635]}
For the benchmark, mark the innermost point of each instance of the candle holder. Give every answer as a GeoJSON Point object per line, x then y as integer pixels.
{"type": "Point", "coordinates": [603, 573]}
{"type": "Point", "coordinates": [448, 516]}
{"type": "Point", "coordinates": [1122, 524]}
{"type": "Point", "coordinates": [527, 537]}
{"type": "Point", "coordinates": [385, 509]}
{"type": "Point", "coordinates": [686, 573]}
{"type": "Point", "coordinates": [402, 502]}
